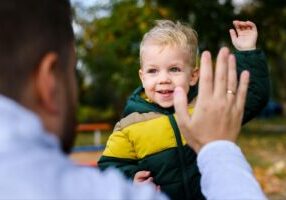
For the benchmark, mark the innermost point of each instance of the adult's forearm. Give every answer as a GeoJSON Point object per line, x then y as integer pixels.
{"type": "Point", "coordinates": [226, 174]}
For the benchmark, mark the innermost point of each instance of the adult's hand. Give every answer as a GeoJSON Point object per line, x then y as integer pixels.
{"type": "Point", "coordinates": [220, 103]}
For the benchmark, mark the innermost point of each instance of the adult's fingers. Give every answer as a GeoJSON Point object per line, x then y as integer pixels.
{"type": "Point", "coordinates": [181, 106]}
{"type": "Point", "coordinates": [242, 90]}
{"type": "Point", "coordinates": [221, 73]}
{"type": "Point", "coordinates": [232, 78]}
{"type": "Point", "coordinates": [206, 76]}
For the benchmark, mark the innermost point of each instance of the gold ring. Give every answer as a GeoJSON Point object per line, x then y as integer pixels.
{"type": "Point", "coordinates": [230, 92]}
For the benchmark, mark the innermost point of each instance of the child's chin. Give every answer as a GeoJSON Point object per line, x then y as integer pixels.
{"type": "Point", "coordinates": [166, 105]}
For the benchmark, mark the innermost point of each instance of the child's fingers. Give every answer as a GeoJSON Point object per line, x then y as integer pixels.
{"type": "Point", "coordinates": [149, 180]}
{"type": "Point", "coordinates": [241, 25]}
{"type": "Point", "coordinates": [244, 25]}
{"type": "Point", "coordinates": [251, 25]}
{"type": "Point", "coordinates": [142, 174]}
{"type": "Point", "coordinates": [236, 25]}
{"type": "Point", "coordinates": [235, 22]}
{"type": "Point", "coordinates": [233, 35]}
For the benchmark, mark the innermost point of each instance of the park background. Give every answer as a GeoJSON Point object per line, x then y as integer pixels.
{"type": "Point", "coordinates": [108, 34]}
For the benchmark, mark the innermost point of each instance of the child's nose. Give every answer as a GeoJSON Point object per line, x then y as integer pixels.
{"type": "Point", "coordinates": [164, 78]}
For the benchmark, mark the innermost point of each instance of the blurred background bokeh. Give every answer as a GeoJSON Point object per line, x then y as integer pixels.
{"type": "Point", "coordinates": [108, 35]}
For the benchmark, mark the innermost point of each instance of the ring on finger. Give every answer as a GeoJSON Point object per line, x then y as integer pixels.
{"type": "Point", "coordinates": [230, 92]}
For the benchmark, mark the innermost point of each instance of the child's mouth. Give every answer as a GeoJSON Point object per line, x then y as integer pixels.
{"type": "Point", "coordinates": [166, 93]}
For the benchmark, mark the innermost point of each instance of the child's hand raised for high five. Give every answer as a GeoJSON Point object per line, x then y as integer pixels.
{"type": "Point", "coordinates": [244, 35]}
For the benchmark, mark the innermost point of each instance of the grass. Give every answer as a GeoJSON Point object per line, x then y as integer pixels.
{"type": "Point", "coordinates": [264, 139]}
{"type": "Point", "coordinates": [264, 144]}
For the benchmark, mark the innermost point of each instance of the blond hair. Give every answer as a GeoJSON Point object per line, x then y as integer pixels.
{"type": "Point", "coordinates": [167, 32]}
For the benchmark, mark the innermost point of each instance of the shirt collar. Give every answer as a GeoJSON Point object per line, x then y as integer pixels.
{"type": "Point", "coordinates": [20, 125]}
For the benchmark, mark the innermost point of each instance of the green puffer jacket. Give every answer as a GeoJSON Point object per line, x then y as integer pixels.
{"type": "Point", "coordinates": [147, 137]}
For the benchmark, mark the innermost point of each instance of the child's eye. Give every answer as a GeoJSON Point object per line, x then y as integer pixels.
{"type": "Point", "coordinates": [175, 69]}
{"type": "Point", "coordinates": [151, 71]}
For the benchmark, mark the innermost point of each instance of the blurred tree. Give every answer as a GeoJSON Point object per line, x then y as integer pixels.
{"type": "Point", "coordinates": [108, 47]}
{"type": "Point", "coordinates": [211, 19]}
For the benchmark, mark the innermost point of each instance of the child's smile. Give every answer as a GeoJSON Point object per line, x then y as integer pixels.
{"type": "Point", "coordinates": [166, 94]}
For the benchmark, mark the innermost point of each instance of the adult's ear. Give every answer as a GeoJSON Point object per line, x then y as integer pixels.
{"type": "Point", "coordinates": [194, 76]}
{"type": "Point", "coordinates": [46, 83]}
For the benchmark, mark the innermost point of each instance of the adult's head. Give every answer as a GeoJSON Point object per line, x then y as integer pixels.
{"type": "Point", "coordinates": [37, 61]}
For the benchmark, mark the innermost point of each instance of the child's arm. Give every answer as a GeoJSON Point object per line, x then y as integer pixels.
{"type": "Point", "coordinates": [244, 37]}
{"type": "Point", "coordinates": [119, 153]}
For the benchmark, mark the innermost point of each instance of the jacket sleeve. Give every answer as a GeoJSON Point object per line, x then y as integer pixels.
{"type": "Point", "coordinates": [259, 87]}
{"type": "Point", "coordinates": [119, 153]}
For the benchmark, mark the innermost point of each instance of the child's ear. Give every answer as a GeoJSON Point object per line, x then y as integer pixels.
{"type": "Point", "coordinates": [194, 76]}
{"type": "Point", "coordinates": [140, 72]}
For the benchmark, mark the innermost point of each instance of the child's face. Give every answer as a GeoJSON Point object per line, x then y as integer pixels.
{"type": "Point", "coordinates": [163, 69]}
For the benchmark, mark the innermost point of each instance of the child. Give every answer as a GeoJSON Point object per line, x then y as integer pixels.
{"type": "Point", "coordinates": [146, 144]}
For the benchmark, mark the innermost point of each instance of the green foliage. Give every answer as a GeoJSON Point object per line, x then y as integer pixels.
{"type": "Point", "coordinates": [109, 50]}
{"type": "Point", "coordinates": [108, 47]}
{"type": "Point", "coordinates": [91, 114]}
{"type": "Point", "coordinates": [211, 19]}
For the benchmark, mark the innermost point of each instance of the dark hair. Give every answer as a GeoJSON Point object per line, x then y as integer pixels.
{"type": "Point", "coordinates": [28, 30]}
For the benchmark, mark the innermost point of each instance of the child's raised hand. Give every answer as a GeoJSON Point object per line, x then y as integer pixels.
{"type": "Point", "coordinates": [244, 35]}
{"type": "Point", "coordinates": [144, 177]}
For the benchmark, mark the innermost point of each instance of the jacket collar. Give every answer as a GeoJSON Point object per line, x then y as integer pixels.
{"type": "Point", "coordinates": [136, 103]}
